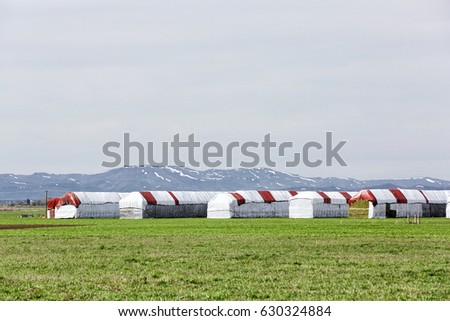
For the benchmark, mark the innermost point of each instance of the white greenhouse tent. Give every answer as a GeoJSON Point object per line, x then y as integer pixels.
{"type": "Point", "coordinates": [250, 204]}
{"type": "Point", "coordinates": [448, 207]}
{"type": "Point", "coordinates": [165, 204]}
{"type": "Point", "coordinates": [89, 205]}
{"type": "Point", "coordinates": [320, 205]}
{"type": "Point", "coordinates": [389, 203]}
{"type": "Point", "coordinates": [436, 203]}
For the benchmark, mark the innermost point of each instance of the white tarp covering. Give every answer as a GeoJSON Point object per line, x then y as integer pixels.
{"type": "Point", "coordinates": [133, 200]}
{"type": "Point", "coordinates": [397, 203]}
{"type": "Point", "coordinates": [396, 210]}
{"type": "Point", "coordinates": [66, 211]}
{"type": "Point", "coordinates": [320, 205]}
{"type": "Point", "coordinates": [383, 196]}
{"type": "Point", "coordinates": [448, 207]}
{"type": "Point", "coordinates": [437, 197]}
{"type": "Point", "coordinates": [250, 204]}
{"type": "Point", "coordinates": [403, 202]}
{"type": "Point", "coordinates": [194, 197]}
{"type": "Point", "coordinates": [414, 196]}
{"type": "Point", "coordinates": [96, 198]}
{"type": "Point", "coordinates": [437, 203]}
{"type": "Point", "coordinates": [410, 196]}
{"type": "Point", "coordinates": [165, 204]}
{"type": "Point", "coordinates": [89, 205]}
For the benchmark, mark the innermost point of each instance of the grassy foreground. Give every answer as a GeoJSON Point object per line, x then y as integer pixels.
{"type": "Point", "coordinates": [201, 259]}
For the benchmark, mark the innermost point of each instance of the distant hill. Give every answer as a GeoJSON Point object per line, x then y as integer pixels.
{"type": "Point", "coordinates": [20, 187]}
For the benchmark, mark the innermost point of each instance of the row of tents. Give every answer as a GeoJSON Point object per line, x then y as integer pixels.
{"type": "Point", "coordinates": [383, 203]}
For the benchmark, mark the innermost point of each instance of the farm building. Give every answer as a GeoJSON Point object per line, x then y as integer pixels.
{"type": "Point", "coordinates": [386, 203]}
{"type": "Point", "coordinates": [436, 203]}
{"type": "Point", "coordinates": [250, 204]}
{"type": "Point", "coordinates": [51, 207]}
{"type": "Point", "coordinates": [89, 205]}
{"type": "Point", "coordinates": [164, 204]}
{"type": "Point", "coordinates": [320, 204]}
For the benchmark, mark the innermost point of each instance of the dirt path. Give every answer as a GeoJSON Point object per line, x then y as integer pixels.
{"type": "Point", "coordinates": [25, 226]}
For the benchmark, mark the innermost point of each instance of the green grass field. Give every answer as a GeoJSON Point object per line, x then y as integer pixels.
{"type": "Point", "coordinates": [201, 259]}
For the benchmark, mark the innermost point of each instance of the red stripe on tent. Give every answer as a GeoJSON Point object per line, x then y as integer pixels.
{"type": "Point", "coordinates": [372, 198]}
{"type": "Point", "coordinates": [293, 193]}
{"type": "Point", "coordinates": [239, 198]}
{"type": "Point", "coordinates": [347, 196]}
{"type": "Point", "coordinates": [151, 200]}
{"type": "Point", "coordinates": [399, 196]}
{"type": "Point", "coordinates": [177, 202]}
{"type": "Point", "coordinates": [426, 198]}
{"type": "Point", "coordinates": [267, 196]}
{"type": "Point", "coordinates": [326, 198]}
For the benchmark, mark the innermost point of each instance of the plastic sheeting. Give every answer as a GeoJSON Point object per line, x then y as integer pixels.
{"type": "Point", "coordinates": [142, 199]}
{"type": "Point", "coordinates": [436, 197]}
{"type": "Point", "coordinates": [448, 208]}
{"type": "Point", "coordinates": [433, 210]}
{"type": "Point", "coordinates": [437, 203]}
{"type": "Point", "coordinates": [403, 202]}
{"type": "Point", "coordinates": [89, 205]}
{"type": "Point", "coordinates": [320, 205]}
{"type": "Point", "coordinates": [325, 197]}
{"type": "Point", "coordinates": [399, 196]}
{"type": "Point", "coordinates": [66, 211]}
{"type": "Point", "coordinates": [264, 196]}
{"type": "Point", "coordinates": [77, 198]}
{"type": "Point", "coordinates": [165, 204]}
{"type": "Point", "coordinates": [395, 210]}
{"type": "Point", "coordinates": [374, 196]}
{"type": "Point", "coordinates": [250, 204]}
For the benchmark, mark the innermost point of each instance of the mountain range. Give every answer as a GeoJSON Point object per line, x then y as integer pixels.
{"type": "Point", "coordinates": [127, 179]}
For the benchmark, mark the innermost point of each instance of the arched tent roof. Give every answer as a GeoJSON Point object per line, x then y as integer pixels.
{"type": "Point", "coordinates": [89, 205]}
{"type": "Point", "coordinates": [400, 196]}
{"type": "Point", "coordinates": [142, 199]}
{"type": "Point", "coordinates": [250, 204]}
{"type": "Point", "coordinates": [246, 197]}
{"type": "Point", "coordinates": [77, 198]}
{"type": "Point", "coordinates": [436, 197]}
{"type": "Point", "coordinates": [326, 197]}
{"type": "Point", "coordinates": [309, 204]}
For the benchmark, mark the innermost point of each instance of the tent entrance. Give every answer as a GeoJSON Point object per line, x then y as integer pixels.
{"type": "Point", "coordinates": [390, 213]}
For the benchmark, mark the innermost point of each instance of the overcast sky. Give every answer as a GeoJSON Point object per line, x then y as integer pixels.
{"type": "Point", "coordinates": [77, 74]}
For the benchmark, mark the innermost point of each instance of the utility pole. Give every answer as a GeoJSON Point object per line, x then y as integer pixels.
{"type": "Point", "coordinates": [46, 202]}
